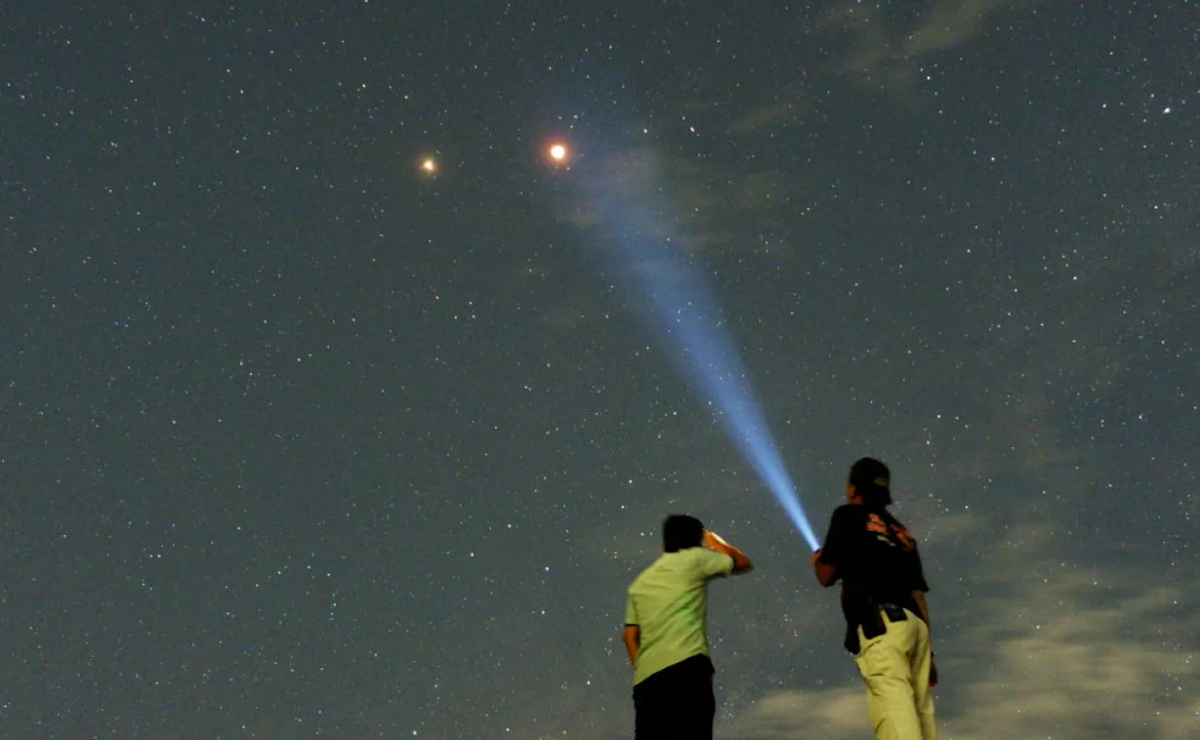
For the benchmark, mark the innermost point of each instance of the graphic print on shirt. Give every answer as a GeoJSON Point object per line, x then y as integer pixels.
{"type": "Point", "coordinates": [892, 534]}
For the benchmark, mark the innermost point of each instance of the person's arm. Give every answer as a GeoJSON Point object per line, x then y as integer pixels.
{"type": "Point", "coordinates": [826, 573]}
{"type": "Point", "coordinates": [919, 597]}
{"type": "Point", "coordinates": [632, 635]}
{"type": "Point", "coordinates": [839, 542]}
{"type": "Point", "coordinates": [741, 563]}
{"type": "Point", "coordinates": [633, 642]}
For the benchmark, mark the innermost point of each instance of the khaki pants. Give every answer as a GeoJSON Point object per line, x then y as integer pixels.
{"type": "Point", "coordinates": [895, 666]}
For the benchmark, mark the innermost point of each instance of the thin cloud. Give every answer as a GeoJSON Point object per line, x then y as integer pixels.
{"type": "Point", "coordinates": [891, 56]}
{"type": "Point", "coordinates": [792, 103]}
{"type": "Point", "coordinates": [952, 23]}
{"type": "Point", "coordinates": [883, 54]}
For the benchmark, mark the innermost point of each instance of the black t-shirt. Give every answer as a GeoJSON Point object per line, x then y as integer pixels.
{"type": "Point", "coordinates": [877, 560]}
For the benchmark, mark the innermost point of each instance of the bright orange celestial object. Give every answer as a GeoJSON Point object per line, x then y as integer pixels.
{"type": "Point", "coordinates": [428, 166]}
{"type": "Point", "coordinates": [558, 153]}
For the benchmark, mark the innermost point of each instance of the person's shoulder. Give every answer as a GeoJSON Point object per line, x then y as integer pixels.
{"type": "Point", "coordinates": [901, 531]}
{"type": "Point", "coordinates": [699, 552]}
{"type": "Point", "coordinates": [706, 563]}
{"type": "Point", "coordinates": [648, 571]}
{"type": "Point", "coordinates": [708, 554]}
{"type": "Point", "coordinates": [849, 512]}
{"type": "Point", "coordinates": [890, 518]}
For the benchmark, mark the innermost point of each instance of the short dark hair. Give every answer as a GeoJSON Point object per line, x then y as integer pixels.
{"type": "Point", "coordinates": [681, 531]}
{"type": "Point", "coordinates": [872, 480]}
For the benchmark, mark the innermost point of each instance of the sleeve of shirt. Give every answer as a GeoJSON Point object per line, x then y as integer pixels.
{"type": "Point", "coordinates": [918, 574]}
{"type": "Point", "coordinates": [838, 539]}
{"type": "Point", "coordinates": [631, 615]}
{"type": "Point", "coordinates": [713, 564]}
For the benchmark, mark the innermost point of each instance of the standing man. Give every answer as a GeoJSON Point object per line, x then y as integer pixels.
{"type": "Point", "coordinates": [883, 599]}
{"type": "Point", "coordinates": [666, 633]}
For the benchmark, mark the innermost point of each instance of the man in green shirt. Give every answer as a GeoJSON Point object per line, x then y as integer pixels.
{"type": "Point", "coordinates": [666, 633]}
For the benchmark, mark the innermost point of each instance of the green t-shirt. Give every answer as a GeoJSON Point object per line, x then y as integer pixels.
{"type": "Point", "coordinates": [669, 602]}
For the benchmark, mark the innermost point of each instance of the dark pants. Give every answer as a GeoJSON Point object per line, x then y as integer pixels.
{"type": "Point", "coordinates": [677, 702]}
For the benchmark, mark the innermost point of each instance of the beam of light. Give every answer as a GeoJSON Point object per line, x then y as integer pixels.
{"type": "Point", "coordinates": [646, 246]}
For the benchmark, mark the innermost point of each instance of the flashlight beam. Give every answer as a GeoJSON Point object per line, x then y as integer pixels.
{"type": "Point", "coordinates": [645, 247]}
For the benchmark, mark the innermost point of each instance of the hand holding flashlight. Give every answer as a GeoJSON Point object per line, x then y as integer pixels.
{"type": "Point", "coordinates": [714, 542]}
{"type": "Point", "coordinates": [712, 538]}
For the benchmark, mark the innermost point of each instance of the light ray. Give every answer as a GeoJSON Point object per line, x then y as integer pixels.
{"type": "Point", "coordinates": [645, 246]}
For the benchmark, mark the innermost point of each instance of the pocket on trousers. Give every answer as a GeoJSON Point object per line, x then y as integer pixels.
{"type": "Point", "coordinates": [866, 659]}
{"type": "Point", "coordinates": [895, 613]}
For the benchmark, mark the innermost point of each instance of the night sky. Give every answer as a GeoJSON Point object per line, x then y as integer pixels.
{"type": "Point", "coordinates": [302, 437]}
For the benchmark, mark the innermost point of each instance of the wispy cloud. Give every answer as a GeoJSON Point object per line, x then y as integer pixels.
{"type": "Point", "coordinates": [831, 713]}
{"type": "Point", "coordinates": [792, 103]}
{"type": "Point", "coordinates": [951, 23]}
{"type": "Point", "coordinates": [884, 53]}
{"type": "Point", "coordinates": [889, 55]}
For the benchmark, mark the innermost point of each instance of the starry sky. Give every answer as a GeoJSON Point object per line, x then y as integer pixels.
{"type": "Point", "coordinates": [301, 437]}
